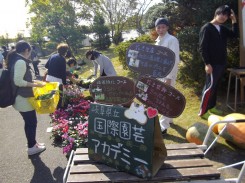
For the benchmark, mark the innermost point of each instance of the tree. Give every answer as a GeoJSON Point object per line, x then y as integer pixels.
{"type": "Point", "coordinates": [117, 12]}
{"type": "Point", "coordinates": [135, 22]}
{"type": "Point", "coordinates": [59, 20]}
{"type": "Point", "coordinates": [4, 40]}
{"type": "Point", "coordinates": [101, 33]}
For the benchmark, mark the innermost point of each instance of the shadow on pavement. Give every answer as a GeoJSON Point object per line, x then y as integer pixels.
{"type": "Point", "coordinates": [43, 174]}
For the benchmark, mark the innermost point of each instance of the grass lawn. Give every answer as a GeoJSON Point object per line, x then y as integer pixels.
{"type": "Point", "coordinates": [222, 153]}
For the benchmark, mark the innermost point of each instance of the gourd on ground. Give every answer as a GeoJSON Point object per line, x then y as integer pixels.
{"type": "Point", "coordinates": [197, 132]}
{"type": "Point", "coordinates": [234, 132]}
{"type": "Point", "coordinates": [212, 119]}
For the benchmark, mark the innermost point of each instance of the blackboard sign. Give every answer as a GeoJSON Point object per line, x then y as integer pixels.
{"type": "Point", "coordinates": [165, 98]}
{"type": "Point", "coordinates": [118, 138]}
{"type": "Point", "coordinates": [148, 59]}
{"type": "Point", "coordinates": [112, 90]}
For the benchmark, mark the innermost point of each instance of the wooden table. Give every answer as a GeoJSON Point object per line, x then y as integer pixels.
{"type": "Point", "coordinates": [185, 162]}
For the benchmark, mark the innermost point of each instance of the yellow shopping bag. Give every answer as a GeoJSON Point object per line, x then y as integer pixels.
{"type": "Point", "coordinates": [45, 98]}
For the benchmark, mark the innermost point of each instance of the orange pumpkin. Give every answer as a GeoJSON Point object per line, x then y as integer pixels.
{"type": "Point", "coordinates": [196, 133]}
{"type": "Point", "coordinates": [212, 119]}
{"type": "Point", "coordinates": [234, 132]}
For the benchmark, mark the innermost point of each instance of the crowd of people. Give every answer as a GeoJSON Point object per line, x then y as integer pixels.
{"type": "Point", "coordinates": [61, 65]}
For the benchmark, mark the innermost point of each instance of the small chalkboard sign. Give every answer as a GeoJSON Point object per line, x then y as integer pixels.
{"type": "Point", "coordinates": [148, 59]}
{"type": "Point", "coordinates": [117, 138]}
{"type": "Point", "coordinates": [112, 90]}
{"type": "Point", "coordinates": [165, 98]}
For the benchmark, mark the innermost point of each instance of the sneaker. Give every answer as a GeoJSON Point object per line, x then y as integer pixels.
{"type": "Point", "coordinates": [205, 116]}
{"type": "Point", "coordinates": [171, 122]}
{"type": "Point", "coordinates": [216, 111]}
{"type": "Point", "coordinates": [164, 132]}
{"type": "Point", "coordinates": [35, 149]}
{"type": "Point", "coordinates": [38, 143]}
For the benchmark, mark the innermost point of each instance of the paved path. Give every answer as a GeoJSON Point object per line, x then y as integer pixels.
{"type": "Point", "coordinates": [15, 165]}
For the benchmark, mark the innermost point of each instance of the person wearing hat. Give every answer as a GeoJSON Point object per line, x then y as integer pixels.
{"type": "Point", "coordinates": [213, 49]}
{"type": "Point", "coordinates": [171, 42]}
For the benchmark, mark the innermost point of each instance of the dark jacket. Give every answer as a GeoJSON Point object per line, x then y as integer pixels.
{"type": "Point", "coordinates": [5, 53]}
{"type": "Point", "coordinates": [213, 44]}
{"type": "Point", "coordinates": [25, 92]}
{"type": "Point", "coordinates": [56, 66]}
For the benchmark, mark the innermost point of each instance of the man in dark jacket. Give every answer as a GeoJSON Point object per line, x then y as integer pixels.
{"type": "Point", "coordinates": [213, 44]}
{"type": "Point", "coordinates": [56, 65]}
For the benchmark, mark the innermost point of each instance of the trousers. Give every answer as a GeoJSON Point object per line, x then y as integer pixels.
{"type": "Point", "coordinates": [30, 119]}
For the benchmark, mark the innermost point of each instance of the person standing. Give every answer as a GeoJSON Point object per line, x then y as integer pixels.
{"type": "Point", "coordinates": [5, 52]}
{"type": "Point", "coordinates": [1, 60]}
{"type": "Point", "coordinates": [171, 42]}
{"type": "Point", "coordinates": [56, 65]}
{"type": "Point", "coordinates": [103, 62]}
{"type": "Point", "coordinates": [19, 65]}
{"type": "Point", "coordinates": [213, 49]}
{"type": "Point", "coordinates": [35, 61]}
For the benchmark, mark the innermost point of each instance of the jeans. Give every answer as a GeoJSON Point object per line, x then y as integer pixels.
{"type": "Point", "coordinates": [30, 119]}
{"type": "Point", "coordinates": [35, 67]}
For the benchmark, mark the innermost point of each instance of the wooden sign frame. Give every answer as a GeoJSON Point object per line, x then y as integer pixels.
{"type": "Point", "coordinates": [112, 90]}
{"type": "Point", "coordinates": [163, 97]}
{"type": "Point", "coordinates": [148, 59]}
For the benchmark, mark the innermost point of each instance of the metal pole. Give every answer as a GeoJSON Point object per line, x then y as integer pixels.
{"type": "Point", "coordinates": [241, 15]}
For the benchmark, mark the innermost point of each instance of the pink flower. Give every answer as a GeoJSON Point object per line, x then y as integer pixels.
{"type": "Point", "coordinates": [65, 136]}
{"type": "Point", "coordinates": [71, 140]}
{"type": "Point", "coordinates": [84, 132]}
{"type": "Point", "coordinates": [67, 148]}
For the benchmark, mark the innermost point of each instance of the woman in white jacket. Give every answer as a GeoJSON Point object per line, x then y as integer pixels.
{"type": "Point", "coordinates": [103, 62]}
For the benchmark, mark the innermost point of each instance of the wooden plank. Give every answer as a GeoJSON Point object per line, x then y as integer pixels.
{"type": "Point", "coordinates": [181, 146]}
{"type": "Point", "coordinates": [184, 153]}
{"type": "Point", "coordinates": [182, 164]}
{"type": "Point", "coordinates": [186, 163]}
{"type": "Point", "coordinates": [82, 159]}
{"type": "Point", "coordinates": [172, 154]}
{"type": "Point", "coordinates": [169, 164]}
{"type": "Point", "coordinates": [81, 151]}
{"type": "Point", "coordinates": [91, 168]}
{"type": "Point", "coordinates": [168, 147]}
{"type": "Point", "coordinates": [199, 173]}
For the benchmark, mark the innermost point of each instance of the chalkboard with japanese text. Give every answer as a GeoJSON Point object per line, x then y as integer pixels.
{"type": "Point", "coordinates": [126, 139]}
{"type": "Point", "coordinates": [112, 90]}
{"type": "Point", "coordinates": [163, 97]}
{"type": "Point", "coordinates": [149, 59]}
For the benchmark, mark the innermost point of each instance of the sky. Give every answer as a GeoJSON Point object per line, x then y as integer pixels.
{"type": "Point", "coordinates": [14, 16]}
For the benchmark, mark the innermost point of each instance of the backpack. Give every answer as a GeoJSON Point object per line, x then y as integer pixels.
{"type": "Point", "coordinates": [7, 91]}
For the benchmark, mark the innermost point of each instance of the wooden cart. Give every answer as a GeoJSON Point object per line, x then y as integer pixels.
{"type": "Point", "coordinates": [185, 162]}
